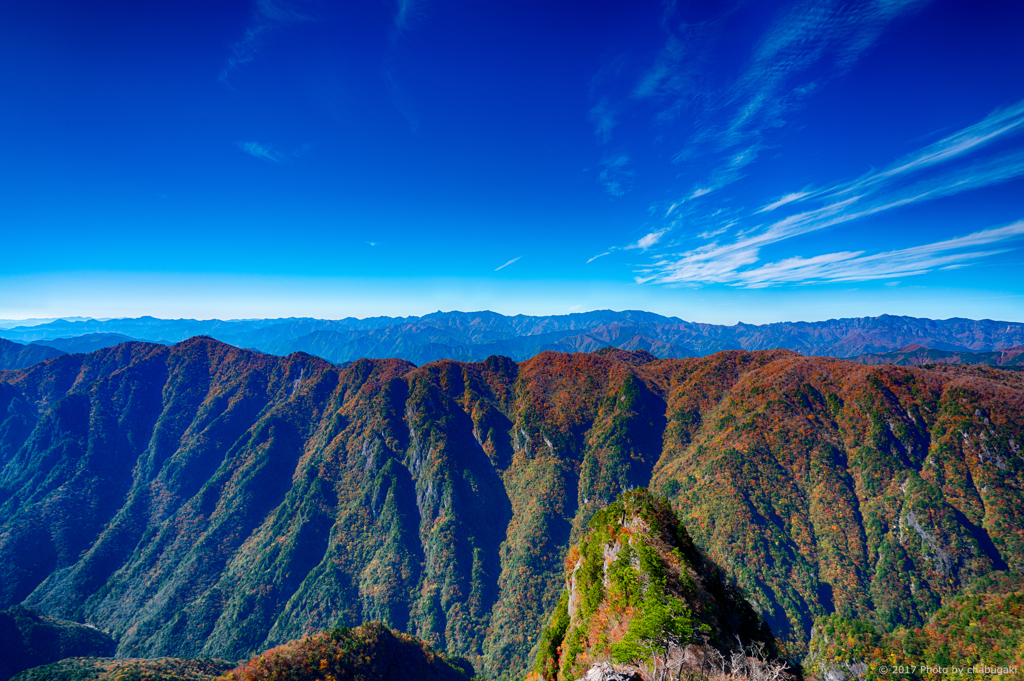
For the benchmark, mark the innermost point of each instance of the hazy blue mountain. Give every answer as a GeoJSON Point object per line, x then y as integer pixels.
{"type": "Point", "coordinates": [919, 355]}
{"type": "Point", "coordinates": [472, 336]}
{"type": "Point", "coordinates": [33, 321]}
{"type": "Point", "coordinates": [90, 342]}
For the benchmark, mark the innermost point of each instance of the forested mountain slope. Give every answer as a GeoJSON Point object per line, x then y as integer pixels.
{"type": "Point", "coordinates": [869, 491]}
{"type": "Point", "coordinates": [201, 500]}
{"type": "Point", "coordinates": [30, 640]}
{"type": "Point", "coordinates": [980, 632]}
{"type": "Point", "coordinates": [18, 356]}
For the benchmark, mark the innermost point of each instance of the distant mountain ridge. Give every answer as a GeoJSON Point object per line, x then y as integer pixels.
{"type": "Point", "coordinates": [91, 341]}
{"type": "Point", "coordinates": [919, 355]}
{"type": "Point", "coordinates": [474, 336]}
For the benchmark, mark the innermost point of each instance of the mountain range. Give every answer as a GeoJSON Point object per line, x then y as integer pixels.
{"type": "Point", "coordinates": [919, 355]}
{"type": "Point", "coordinates": [474, 336]}
{"type": "Point", "coordinates": [201, 500]}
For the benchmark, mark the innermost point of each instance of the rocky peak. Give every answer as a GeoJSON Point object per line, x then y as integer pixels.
{"type": "Point", "coordinates": [639, 593]}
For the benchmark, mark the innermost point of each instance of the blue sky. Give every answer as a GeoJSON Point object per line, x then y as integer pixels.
{"type": "Point", "coordinates": [722, 162]}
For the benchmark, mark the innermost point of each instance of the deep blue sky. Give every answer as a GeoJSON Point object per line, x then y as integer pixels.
{"type": "Point", "coordinates": [754, 161]}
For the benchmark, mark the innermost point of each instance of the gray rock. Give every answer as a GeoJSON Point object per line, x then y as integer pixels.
{"type": "Point", "coordinates": [606, 672]}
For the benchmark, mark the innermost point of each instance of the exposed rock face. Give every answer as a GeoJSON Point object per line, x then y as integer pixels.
{"type": "Point", "coordinates": [205, 501]}
{"type": "Point", "coordinates": [603, 671]}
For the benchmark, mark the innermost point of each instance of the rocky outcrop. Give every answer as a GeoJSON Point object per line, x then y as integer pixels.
{"type": "Point", "coordinates": [603, 671]}
{"type": "Point", "coordinates": [638, 592]}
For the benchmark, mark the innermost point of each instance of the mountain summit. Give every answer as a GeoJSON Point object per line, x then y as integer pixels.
{"type": "Point", "coordinates": [638, 592]}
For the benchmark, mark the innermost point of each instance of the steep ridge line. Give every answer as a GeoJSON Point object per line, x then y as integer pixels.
{"type": "Point", "coordinates": [205, 501]}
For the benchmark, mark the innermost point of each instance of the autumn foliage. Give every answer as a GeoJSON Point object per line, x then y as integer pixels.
{"type": "Point", "coordinates": [201, 500]}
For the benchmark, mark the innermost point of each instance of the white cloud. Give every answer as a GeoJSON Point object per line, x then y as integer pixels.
{"type": "Point", "coordinates": [938, 170]}
{"type": "Point", "coordinates": [783, 70]}
{"type": "Point", "coordinates": [507, 264]}
{"type": "Point", "coordinates": [712, 233]}
{"type": "Point", "coordinates": [260, 151]}
{"type": "Point", "coordinates": [648, 240]}
{"type": "Point", "coordinates": [788, 198]}
{"type": "Point", "coordinates": [407, 14]}
{"type": "Point", "coordinates": [846, 266]}
{"type": "Point", "coordinates": [267, 17]}
{"type": "Point", "coordinates": [1000, 123]}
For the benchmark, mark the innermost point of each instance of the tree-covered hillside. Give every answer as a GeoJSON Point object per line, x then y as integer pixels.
{"type": "Point", "coordinates": [870, 492]}
{"type": "Point", "coordinates": [978, 633]}
{"type": "Point", "coordinates": [371, 652]}
{"type": "Point", "coordinates": [18, 356]}
{"type": "Point", "coordinates": [30, 639]}
{"type": "Point", "coordinates": [205, 501]}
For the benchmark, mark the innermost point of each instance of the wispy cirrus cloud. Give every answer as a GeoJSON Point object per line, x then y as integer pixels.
{"type": "Point", "coordinates": [268, 16]}
{"type": "Point", "coordinates": [648, 240]}
{"type": "Point", "coordinates": [779, 77]}
{"type": "Point", "coordinates": [644, 243]}
{"type": "Point", "coordinates": [616, 176]}
{"type": "Point", "coordinates": [407, 14]}
{"type": "Point", "coordinates": [263, 151]}
{"type": "Point", "coordinates": [603, 118]}
{"type": "Point", "coordinates": [810, 44]}
{"type": "Point", "coordinates": [857, 266]}
{"type": "Point", "coordinates": [501, 267]}
{"type": "Point", "coordinates": [782, 201]}
{"type": "Point", "coordinates": [268, 153]}
{"type": "Point", "coordinates": [958, 163]}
